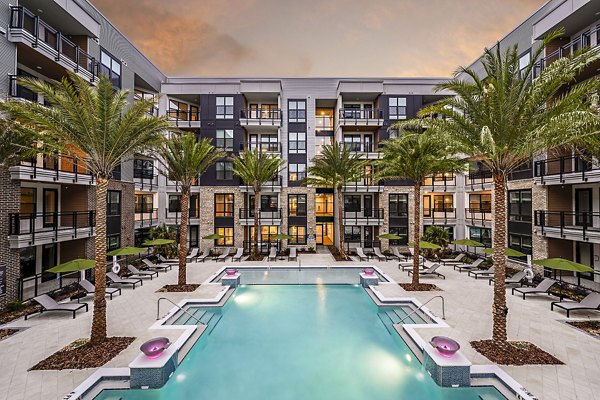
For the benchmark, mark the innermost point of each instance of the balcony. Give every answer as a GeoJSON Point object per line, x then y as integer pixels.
{"type": "Point", "coordinates": [478, 217]}
{"type": "Point", "coordinates": [56, 169]}
{"type": "Point", "coordinates": [324, 125]}
{"type": "Point", "coordinates": [578, 226]}
{"type": "Point", "coordinates": [442, 216]}
{"type": "Point", "coordinates": [565, 170]}
{"type": "Point", "coordinates": [184, 118]}
{"type": "Point", "coordinates": [174, 217]}
{"type": "Point", "coordinates": [264, 147]}
{"type": "Point", "coordinates": [252, 118]}
{"type": "Point", "coordinates": [479, 180]}
{"type": "Point", "coordinates": [366, 185]}
{"type": "Point", "coordinates": [27, 28]}
{"type": "Point", "coordinates": [365, 149]}
{"type": "Point", "coordinates": [145, 180]}
{"type": "Point", "coordinates": [273, 186]}
{"type": "Point", "coordinates": [266, 217]}
{"type": "Point", "coordinates": [440, 182]}
{"type": "Point", "coordinates": [33, 229]}
{"type": "Point", "coordinates": [146, 218]}
{"type": "Point", "coordinates": [365, 117]}
{"type": "Point", "coordinates": [364, 217]}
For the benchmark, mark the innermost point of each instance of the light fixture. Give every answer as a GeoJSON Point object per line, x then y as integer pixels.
{"type": "Point", "coordinates": [40, 10]}
{"type": "Point", "coordinates": [39, 67]}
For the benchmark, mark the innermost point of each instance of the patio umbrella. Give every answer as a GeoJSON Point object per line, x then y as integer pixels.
{"type": "Point", "coordinates": [563, 265]}
{"type": "Point", "coordinates": [126, 251]}
{"type": "Point", "coordinates": [508, 252]}
{"type": "Point", "coordinates": [282, 236]}
{"type": "Point", "coordinates": [79, 264]}
{"type": "Point", "coordinates": [158, 242]}
{"type": "Point", "coordinates": [213, 236]}
{"type": "Point", "coordinates": [426, 245]}
{"type": "Point", "coordinates": [389, 236]}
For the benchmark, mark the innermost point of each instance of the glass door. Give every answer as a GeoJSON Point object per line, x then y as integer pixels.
{"type": "Point", "coordinates": [583, 207]}
{"type": "Point", "coordinates": [50, 207]}
{"type": "Point", "coordinates": [584, 254]}
{"type": "Point", "coordinates": [368, 208]}
{"type": "Point", "coordinates": [368, 237]}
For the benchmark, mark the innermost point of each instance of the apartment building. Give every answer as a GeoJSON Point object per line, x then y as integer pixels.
{"type": "Point", "coordinates": [47, 215]}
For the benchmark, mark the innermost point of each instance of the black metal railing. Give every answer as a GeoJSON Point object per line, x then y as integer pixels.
{"type": "Point", "coordinates": [439, 214]}
{"type": "Point", "coordinates": [481, 215]}
{"type": "Point", "coordinates": [34, 224]}
{"type": "Point", "coordinates": [57, 163]}
{"type": "Point", "coordinates": [365, 216]}
{"type": "Point", "coordinates": [441, 181]}
{"type": "Point", "coordinates": [324, 123]}
{"type": "Point", "coordinates": [361, 113]}
{"type": "Point", "coordinates": [21, 92]}
{"type": "Point", "coordinates": [267, 116]}
{"type": "Point", "coordinates": [367, 245]}
{"type": "Point", "coordinates": [266, 147]}
{"type": "Point", "coordinates": [561, 166]}
{"type": "Point", "coordinates": [145, 178]}
{"type": "Point", "coordinates": [264, 246]}
{"type": "Point", "coordinates": [276, 182]}
{"type": "Point", "coordinates": [45, 282]}
{"type": "Point", "coordinates": [360, 147]}
{"type": "Point", "coordinates": [193, 213]}
{"type": "Point", "coordinates": [583, 222]}
{"type": "Point", "coordinates": [42, 33]}
{"type": "Point", "coordinates": [146, 217]}
{"type": "Point", "coordinates": [479, 178]}
{"type": "Point", "coordinates": [272, 213]}
{"type": "Point", "coordinates": [358, 186]}
{"type": "Point", "coordinates": [580, 42]}
{"type": "Point", "coordinates": [177, 115]}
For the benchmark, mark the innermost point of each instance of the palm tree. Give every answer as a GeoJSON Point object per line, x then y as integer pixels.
{"type": "Point", "coordinates": [97, 122]}
{"type": "Point", "coordinates": [184, 159]}
{"type": "Point", "coordinates": [335, 167]}
{"type": "Point", "coordinates": [416, 156]}
{"type": "Point", "coordinates": [255, 168]}
{"type": "Point", "coordinates": [503, 118]}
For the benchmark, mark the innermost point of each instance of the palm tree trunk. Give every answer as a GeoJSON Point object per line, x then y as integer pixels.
{"type": "Point", "coordinates": [183, 234]}
{"type": "Point", "coordinates": [99, 332]}
{"type": "Point", "coordinates": [340, 209]}
{"type": "Point", "coordinates": [256, 221]}
{"type": "Point", "coordinates": [416, 234]}
{"type": "Point", "coordinates": [499, 309]}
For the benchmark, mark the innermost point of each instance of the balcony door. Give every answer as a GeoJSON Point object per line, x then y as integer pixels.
{"type": "Point", "coordinates": [368, 209]}
{"type": "Point", "coordinates": [583, 207]}
{"type": "Point", "coordinates": [584, 254]}
{"type": "Point", "coordinates": [368, 237]}
{"type": "Point", "coordinates": [368, 143]}
{"type": "Point", "coordinates": [50, 207]}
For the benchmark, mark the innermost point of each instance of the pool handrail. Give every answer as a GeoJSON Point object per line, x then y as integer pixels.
{"type": "Point", "coordinates": [423, 305]}
{"type": "Point", "coordinates": [180, 308]}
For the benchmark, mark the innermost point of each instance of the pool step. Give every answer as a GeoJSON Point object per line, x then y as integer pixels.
{"type": "Point", "coordinates": [214, 322]}
{"type": "Point", "coordinates": [416, 350]}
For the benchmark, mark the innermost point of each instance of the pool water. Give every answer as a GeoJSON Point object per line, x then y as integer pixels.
{"type": "Point", "coordinates": [301, 342]}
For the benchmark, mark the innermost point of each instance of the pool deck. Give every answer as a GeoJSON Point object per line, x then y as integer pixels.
{"type": "Point", "coordinates": [468, 314]}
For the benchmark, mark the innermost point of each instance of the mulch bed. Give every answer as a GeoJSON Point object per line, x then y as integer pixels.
{"type": "Point", "coordinates": [4, 333]}
{"type": "Point", "coordinates": [81, 355]}
{"type": "Point", "coordinates": [32, 307]}
{"type": "Point", "coordinates": [591, 327]}
{"type": "Point", "coordinates": [252, 257]}
{"type": "Point", "coordinates": [190, 287]}
{"type": "Point", "coordinates": [421, 287]}
{"type": "Point", "coordinates": [336, 254]}
{"type": "Point", "coordinates": [518, 353]}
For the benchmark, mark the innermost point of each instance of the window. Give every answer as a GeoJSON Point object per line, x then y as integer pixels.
{"type": "Point", "coordinates": [194, 206]}
{"type": "Point", "coordinates": [444, 202]}
{"type": "Point", "coordinates": [352, 142]}
{"type": "Point", "coordinates": [144, 203]}
{"type": "Point", "coordinates": [480, 202]}
{"type": "Point", "coordinates": [28, 200]}
{"type": "Point", "coordinates": [481, 235]}
{"type": "Point", "coordinates": [224, 107]}
{"type": "Point", "coordinates": [398, 205]}
{"type": "Point", "coordinates": [269, 202]}
{"type": "Point", "coordinates": [297, 205]}
{"type": "Point", "coordinates": [519, 205]}
{"type": "Point", "coordinates": [524, 61]}
{"type": "Point", "coordinates": [321, 142]}
{"type": "Point", "coordinates": [397, 107]}
{"type": "Point", "coordinates": [194, 236]}
{"type": "Point", "coordinates": [224, 139]}
{"type": "Point", "coordinates": [520, 243]}
{"type": "Point", "coordinates": [264, 142]}
{"type": "Point", "coordinates": [223, 205]}
{"type": "Point", "coordinates": [113, 242]}
{"type": "Point", "coordinates": [174, 203]}
{"type": "Point", "coordinates": [224, 170]}
{"type": "Point", "coordinates": [298, 234]}
{"type": "Point", "coordinates": [180, 111]}
{"type": "Point", "coordinates": [297, 142]}
{"type": "Point", "coordinates": [324, 205]}
{"type": "Point", "coordinates": [224, 241]}
{"type": "Point", "coordinates": [352, 203]}
{"type": "Point", "coordinates": [297, 111]}
{"type": "Point", "coordinates": [324, 119]}
{"type": "Point", "coordinates": [143, 169]}
{"type": "Point", "coordinates": [297, 172]}
{"type": "Point", "coordinates": [352, 234]}
{"type": "Point", "coordinates": [111, 67]}
{"type": "Point", "coordinates": [401, 231]}
{"type": "Point", "coordinates": [368, 174]}
{"type": "Point", "coordinates": [113, 200]}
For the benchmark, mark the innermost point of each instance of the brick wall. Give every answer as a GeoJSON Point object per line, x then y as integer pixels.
{"type": "Point", "coordinates": [10, 193]}
{"type": "Point", "coordinates": [384, 198]}
{"type": "Point", "coordinates": [311, 220]}
{"type": "Point", "coordinates": [207, 214]}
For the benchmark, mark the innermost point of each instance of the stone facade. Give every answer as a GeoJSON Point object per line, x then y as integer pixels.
{"type": "Point", "coordinates": [9, 199]}
{"type": "Point", "coordinates": [384, 203]}
{"type": "Point", "coordinates": [311, 220]}
{"type": "Point", "coordinates": [207, 214]}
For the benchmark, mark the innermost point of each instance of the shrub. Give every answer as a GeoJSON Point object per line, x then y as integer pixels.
{"type": "Point", "coordinates": [15, 305]}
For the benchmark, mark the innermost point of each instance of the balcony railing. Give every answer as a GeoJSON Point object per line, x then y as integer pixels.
{"type": "Point", "coordinates": [366, 216]}
{"type": "Point", "coordinates": [146, 179]}
{"type": "Point", "coordinates": [178, 116]}
{"type": "Point", "coordinates": [360, 147]}
{"type": "Point", "coordinates": [478, 215]}
{"type": "Point", "coordinates": [364, 185]}
{"type": "Point", "coordinates": [324, 123]}
{"type": "Point", "coordinates": [275, 183]}
{"type": "Point", "coordinates": [580, 42]}
{"type": "Point", "coordinates": [479, 178]}
{"type": "Point", "coordinates": [34, 224]}
{"type": "Point", "coordinates": [248, 213]}
{"type": "Point", "coordinates": [439, 214]}
{"type": "Point", "coordinates": [266, 147]}
{"type": "Point", "coordinates": [361, 114]}
{"type": "Point", "coordinates": [58, 164]}
{"type": "Point", "coordinates": [579, 223]}
{"type": "Point", "coordinates": [193, 213]}
{"type": "Point", "coordinates": [45, 282]}
{"type": "Point", "coordinates": [560, 166]}
{"type": "Point", "coordinates": [443, 181]}
{"type": "Point", "coordinates": [40, 33]}
{"type": "Point", "coordinates": [146, 217]}
{"type": "Point", "coordinates": [261, 116]}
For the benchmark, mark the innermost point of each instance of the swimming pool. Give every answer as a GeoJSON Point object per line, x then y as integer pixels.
{"type": "Point", "coordinates": [300, 342]}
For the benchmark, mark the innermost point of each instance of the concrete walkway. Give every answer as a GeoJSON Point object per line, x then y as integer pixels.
{"type": "Point", "coordinates": [468, 312]}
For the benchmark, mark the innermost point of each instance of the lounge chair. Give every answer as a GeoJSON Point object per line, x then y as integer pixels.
{"type": "Point", "coordinates": [590, 302]}
{"type": "Point", "coordinates": [432, 270]}
{"type": "Point", "coordinates": [481, 272]}
{"type": "Point", "coordinates": [193, 254]}
{"type": "Point", "coordinates": [542, 288]}
{"type": "Point", "coordinates": [202, 257]}
{"type": "Point", "coordinates": [123, 281]}
{"type": "Point", "coordinates": [238, 254]}
{"type": "Point", "coordinates": [468, 267]}
{"type": "Point", "coordinates": [157, 267]}
{"type": "Point", "coordinates": [164, 260]}
{"type": "Point", "coordinates": [90, 288]}
{"type": "Point", "coordinates": [455, 260]}
{"type": "Point", "coordinates": [515, 279]}
{"type": "Point", "coordinates": [377, 252]}
{"type": "Point", "coordinates": [396, 253]}
{"type": "Point", "coordinates": [272, 254]}
{"type": "Point", "coordinates": [141, 274]}
{"type": "Point", "coordinates": [361, 254]}
{"type": "Point", "coordinates": [293, 254]}
{"type": "Point", "coordinates": [225, 254]}
{"type": "Point", "coordinates": [49, 304]}
{"type": "Point", "coordinates": [404, 265]}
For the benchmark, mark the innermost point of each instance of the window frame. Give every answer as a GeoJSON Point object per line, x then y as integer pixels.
{"type": "Point", "coordinates": [228, 109]}
{"type": "Point", "coordinates": [296, 145]}
{"type": "Point", "coordinates": [298, 238]}
{"type": "Point", "coordinates": [109, 68]}
{"type": "Point", "coordinates": [174, 203]}
{"type": "Point", "coordinates": [224, 170]}
{"type": "Point", "coordinates": [110, 212]}
{"type": "Point", "coordinates": [300, 205]}
{"type": "Point", "coordinates": [394, 110]}
{"type": "Point", "coordinates": [395, 212]}
{"type": "Point", "coordinates": [228, 239]}
{"type": "Point", "coordinates": [225, 213]}
{"type": "Point", "coordinates": [293, 170]}
{"type": "Point", "coordinates": [296, 114]}
{"type": "Point", "coordinates": [520, 216]}
{"type": "Point", "coordinates": [226, 142]}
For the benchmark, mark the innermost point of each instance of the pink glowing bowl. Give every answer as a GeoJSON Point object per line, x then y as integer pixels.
{"type": "Point", "coordinates": [445, 346]}
{"type": "Point", "coordinates": [369, 271]}
{"type": "Point", "coordinates": [231, 271]}
{"type": "Point", "coordinates": [153, 348]}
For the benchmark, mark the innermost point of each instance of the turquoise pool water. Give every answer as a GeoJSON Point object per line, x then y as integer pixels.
{"type": "Point", "coordinates": [297, 343]}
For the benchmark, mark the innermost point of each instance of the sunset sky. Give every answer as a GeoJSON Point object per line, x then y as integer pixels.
{"type": "Point", "coordinates": [313, 37]}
